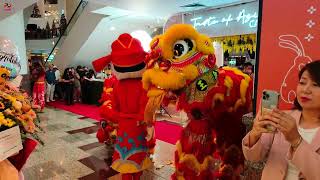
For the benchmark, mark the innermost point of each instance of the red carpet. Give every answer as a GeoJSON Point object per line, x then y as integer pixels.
{"type": "Point", "coordinates": [90, 111]}
{"type": "Point", "coordinates": [165, 131]}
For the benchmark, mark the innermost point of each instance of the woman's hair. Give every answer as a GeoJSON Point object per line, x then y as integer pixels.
{"type": "Point", "coordinates": [91, 74]}
{"type": "Point", "coordinates": [65, 73]}
{"type": "Point", "coordinates": [313, 69]}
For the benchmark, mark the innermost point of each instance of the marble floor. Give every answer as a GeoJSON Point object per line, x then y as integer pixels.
{"type": "Point", "coordinates": [71, 151]}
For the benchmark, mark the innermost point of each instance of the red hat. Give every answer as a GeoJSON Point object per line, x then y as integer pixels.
{"type": "Point", "coordinates": [126, 52]}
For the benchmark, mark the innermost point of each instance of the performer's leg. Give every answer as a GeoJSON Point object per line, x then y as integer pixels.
{"type": "Point", "coordinates": [41, 94]}
{"type": "Point", "coordinates": [136, 176]}
{"type": "Point", "coordinates": [127, 177]}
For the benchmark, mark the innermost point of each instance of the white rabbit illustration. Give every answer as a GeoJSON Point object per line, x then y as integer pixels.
{"type": "Point", "coordinates": [287, 90]}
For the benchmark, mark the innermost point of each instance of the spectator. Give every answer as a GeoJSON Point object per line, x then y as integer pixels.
{"type": "Point", "coordinates": [248, 69]}
{"type": "Point", "coordinates": [38, 93]}
{"type": "Point", "coordinates": [51, 81]}
{"type": "Point", "coordinates": [77, 87]}
{"type": "Point", "coordinates": [80, 71]}
{"type": "Point", "coordinates": [58, 87]}
{"type": "Point", "coordinates": [68, 79]}
{"type": "Point", "coordinates": [293, 150]}
{"type": "Point", "coordinates": [90, 75]}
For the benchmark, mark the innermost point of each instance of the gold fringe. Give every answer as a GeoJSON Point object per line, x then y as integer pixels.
{"type": "Point", "coordinates": [170, 80]}
{"type": "Point", "coordinates": [191, 161]}
{"type": "Point", "coordinates": [204, 44]}
{"type": "Point", "coordinates": [153, 104]}
{"type": "Point", "coordinates": [190, 72]}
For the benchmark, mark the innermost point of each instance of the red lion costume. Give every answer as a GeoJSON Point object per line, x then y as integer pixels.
{"type": "Point", "coordinates": [182, 61]}
{"type": "Point", "coordinates": [126, 105]}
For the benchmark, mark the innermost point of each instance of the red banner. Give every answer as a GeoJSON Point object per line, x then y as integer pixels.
{"type": "Point", "coordinates": [290, 38]}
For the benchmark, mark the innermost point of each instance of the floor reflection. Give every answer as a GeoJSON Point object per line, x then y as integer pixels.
{"type": "Point", "coordinates": [71, 151]}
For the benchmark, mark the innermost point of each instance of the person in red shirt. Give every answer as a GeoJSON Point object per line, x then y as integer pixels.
{"type": "Point", "coordinates": [39, 87]}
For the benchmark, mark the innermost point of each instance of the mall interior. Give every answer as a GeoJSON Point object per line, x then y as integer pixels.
{"type": "Point", "coordinates": [159, 89]}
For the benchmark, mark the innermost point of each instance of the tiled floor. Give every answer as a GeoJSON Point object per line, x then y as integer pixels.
{"type": "Point", "coordinates": [71, 151]}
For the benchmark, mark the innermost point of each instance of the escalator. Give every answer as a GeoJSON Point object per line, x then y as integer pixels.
{"type": "Point", "coordinates": [65, 29]}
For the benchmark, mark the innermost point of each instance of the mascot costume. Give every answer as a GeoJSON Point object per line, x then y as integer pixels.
{"type": "Point", "coordinates": [126, 106]}
{"type": "Point", "coordinates": [182, 61]}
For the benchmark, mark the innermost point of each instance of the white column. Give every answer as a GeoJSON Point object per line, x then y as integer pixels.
{"type": "Point", "coordinates": [218, 51]}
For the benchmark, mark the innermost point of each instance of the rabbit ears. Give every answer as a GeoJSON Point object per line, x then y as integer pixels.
{"type": "Point", "coordinates": [291, 42]}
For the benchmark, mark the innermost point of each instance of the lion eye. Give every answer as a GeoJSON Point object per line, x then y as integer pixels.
{"type": "Point", "coordinates": [4, 76]}
{"type": "Point", "coordinates": [182, 47]}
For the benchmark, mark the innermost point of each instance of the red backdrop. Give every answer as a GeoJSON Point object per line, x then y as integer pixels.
{"type": "Point", "coordinates": [290, 37]}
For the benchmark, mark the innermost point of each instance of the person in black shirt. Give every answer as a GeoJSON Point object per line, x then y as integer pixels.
{"type": "Point", "coordinates": [68, 79]}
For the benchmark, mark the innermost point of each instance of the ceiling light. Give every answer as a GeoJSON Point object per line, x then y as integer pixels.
{"type": "Point", "coordinates": [112, 28]}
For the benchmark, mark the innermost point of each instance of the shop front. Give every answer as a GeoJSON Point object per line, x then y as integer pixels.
{"type": "Point", "coordinates": [232, 28]}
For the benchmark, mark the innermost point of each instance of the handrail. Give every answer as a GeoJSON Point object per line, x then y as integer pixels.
{"type": "Point", "coordinates": [64, 30]}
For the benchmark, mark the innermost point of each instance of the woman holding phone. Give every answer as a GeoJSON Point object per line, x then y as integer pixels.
{"type": "Point", "coordinates": [293, 150]}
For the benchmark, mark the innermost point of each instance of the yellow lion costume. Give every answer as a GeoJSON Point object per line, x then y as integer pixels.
{"type": "Point", "coordinates": [182, 61]}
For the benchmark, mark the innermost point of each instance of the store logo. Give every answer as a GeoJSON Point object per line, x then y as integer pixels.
{"type": "Point", "coordinates": [244, 18]}
{"type": "Point", "coordinates": [215, 74]}
{"type": "Point", "coordinates": [202, 85]}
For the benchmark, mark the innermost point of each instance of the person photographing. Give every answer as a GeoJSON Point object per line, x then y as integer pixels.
{"type": "Point", "coordinates": [293, 148]}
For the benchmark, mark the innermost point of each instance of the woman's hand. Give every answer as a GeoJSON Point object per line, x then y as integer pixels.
{"type": "Point", "coordinates": [259, 126]}
{"type": "Point", "coordinates": [260, 123]}
{"type": "Point", "coordinates": [286, 124]}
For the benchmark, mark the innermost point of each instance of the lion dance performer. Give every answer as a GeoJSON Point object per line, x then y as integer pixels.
{"type": "Point", "coordinates": [182, 61]}
{"type": "Point", "coordinates": [126, 106]}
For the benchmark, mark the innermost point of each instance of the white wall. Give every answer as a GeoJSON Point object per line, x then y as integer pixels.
{"type": "Point", "coordinates": [13, 28]}
{"type": "Point", "coordinates": [78, 35]}
{"type": "Point", "coordinates": [100, 40]}
{"type": "Point", "coordinates": [219, 53]}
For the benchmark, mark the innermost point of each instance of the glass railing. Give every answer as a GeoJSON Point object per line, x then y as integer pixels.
{"type": "Point", "coordinates": [65, 29]}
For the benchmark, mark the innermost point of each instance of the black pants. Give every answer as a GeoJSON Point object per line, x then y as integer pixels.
{"type": "Point", "coordinates": [69, 89]}
{"type": "Point", "coordinates": [58, 91]}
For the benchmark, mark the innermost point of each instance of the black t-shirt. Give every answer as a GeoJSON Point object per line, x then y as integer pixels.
{"type": "Point", "coordinates": [81, 73]}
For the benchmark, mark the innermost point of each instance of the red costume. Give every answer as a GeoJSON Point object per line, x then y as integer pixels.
{"type": "Point", "coordinates": [126, 106]}
{"type": "Point", "coordinates": [182, 61]}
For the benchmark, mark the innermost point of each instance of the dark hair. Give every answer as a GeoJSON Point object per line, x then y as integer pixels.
{"type": "Point", "coordinates": [65, 73]}
{"type": "Point", "coordinates": [313, 69]}
{"type": "Point", "coordinates": [247, 64]}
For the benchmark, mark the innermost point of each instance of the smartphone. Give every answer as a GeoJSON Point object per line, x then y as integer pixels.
{"type": "Point", "coordinates": [270, 100]}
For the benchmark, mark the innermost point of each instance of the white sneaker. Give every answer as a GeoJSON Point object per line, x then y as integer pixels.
{"type": "Point", "coordinates": [47, 101]}
{"type": "Point", "coordinates": [52, 100]}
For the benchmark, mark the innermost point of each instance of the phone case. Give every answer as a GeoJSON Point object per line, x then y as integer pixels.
{"type": "Point", "coordinates": [270, 100]}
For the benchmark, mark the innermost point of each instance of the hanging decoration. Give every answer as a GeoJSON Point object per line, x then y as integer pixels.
{"type": "Point", "coordinates": [238, 44]}
{"type": "Point", "coordinates": [7, 6]}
